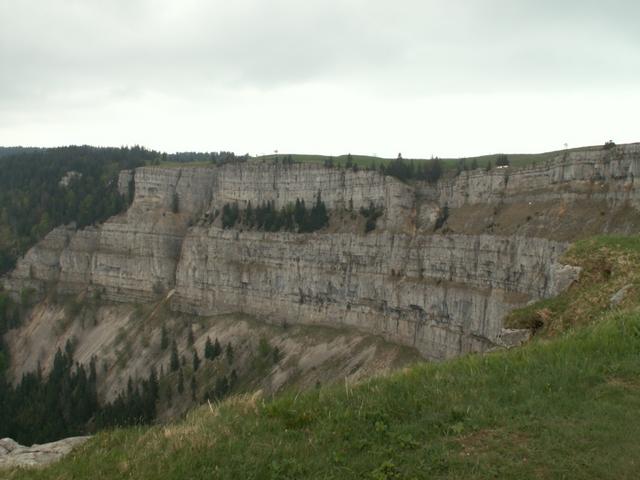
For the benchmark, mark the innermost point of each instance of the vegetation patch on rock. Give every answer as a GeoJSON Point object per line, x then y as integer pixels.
{"type": "Point", "coordinates": [610, 278]}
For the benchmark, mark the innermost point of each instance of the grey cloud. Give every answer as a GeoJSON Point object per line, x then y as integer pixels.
{"type": "Point", "coordinates": [58, 54]}
{"type": "Point", "coordinates": [471, 46]}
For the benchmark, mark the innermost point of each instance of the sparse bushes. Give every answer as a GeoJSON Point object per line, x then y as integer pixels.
{"type": "Point", "coordinates": [371, 214]}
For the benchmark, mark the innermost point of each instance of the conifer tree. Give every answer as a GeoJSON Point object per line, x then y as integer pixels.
{"type": "Point", "coordinates": [300, 214]}
{"type": "Point", "coordinates": [175, 360]}
{"type": "Point", "coordinates": [164, 339]}
{"type": "Point", "coordinates": [249, 219]}
{"type": "Point", "coordinates": [217, 348]}
{"type": "Point", "coordinates": [208, 350]}
{"type": "Point", "coordinates": [194, 387]}
{"type": "Point", "coordinates": [196, 361]}
{"type": "Point", "coordinates": [169, 394]}
{"type": "Point", "coordinates": [154, 386]}
{"type": "Point", "coordinates": [229, 353]}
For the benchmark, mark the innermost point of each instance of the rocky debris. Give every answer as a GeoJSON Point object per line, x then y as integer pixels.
{"type": "Point", "coordinates": [13, 455]}
{"type": "Point", "coordinates": [562, 277]}
{"type": "Point", "coordinates": [510, 338]}
{"type": "Point", "coordinates": [617, 298]}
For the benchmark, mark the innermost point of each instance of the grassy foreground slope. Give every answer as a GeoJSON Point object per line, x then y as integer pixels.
{"type": "Point", "coordinates": [564, 406]}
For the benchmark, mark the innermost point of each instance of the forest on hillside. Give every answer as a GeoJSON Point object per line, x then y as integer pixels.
{"type": "Point", "coordinates": [34, 198]}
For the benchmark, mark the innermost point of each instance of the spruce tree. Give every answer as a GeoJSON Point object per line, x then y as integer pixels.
{"type": "Point", "coordinates": [164, 339]}
{"type": "Point", "coordinates": [208, 350]}
{"type": "Point", "coordinates": [154, 386]}
{"type": "Point", "coordinates": [249, 219]}
{"type": "Point", "coordinates": [319, 217]}
{"type": "Point", "coordinates": [175, 360]}
{"type": "Point", "coordinates": [194, 387]}
{"type": "Point", "coordinates": [299, 215]}
{"type": "Point", "coordinates": [196, 361]}
{"type": "Point", "coordinates": [229, 353]}
{"type": "Point", "coordinates": [217, 348]}
{"type": "Point", "coordinates": [169, 394]}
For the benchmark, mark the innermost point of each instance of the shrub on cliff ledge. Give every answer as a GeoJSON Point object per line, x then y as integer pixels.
{"type": "Point", "coordinates": [371, 214]}
{"type": "Point", "coordinates": [292, 218]}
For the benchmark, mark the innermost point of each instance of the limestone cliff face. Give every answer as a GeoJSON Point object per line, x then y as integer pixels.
{"type": "Point", "coordinates": [444, 295]}
{"type": "Point", "coordinates": [597, 174]}
{"type": "Point", "coordinates": [339, 189]}
{"type": "Point", "coordinates": [444, 266]}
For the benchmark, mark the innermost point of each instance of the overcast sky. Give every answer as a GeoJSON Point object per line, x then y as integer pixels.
{"type": "Point", "coordinates": [421, 77]}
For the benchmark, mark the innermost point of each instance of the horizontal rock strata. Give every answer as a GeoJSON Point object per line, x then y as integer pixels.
{"type": "Point", "coordinates": [445, 294]}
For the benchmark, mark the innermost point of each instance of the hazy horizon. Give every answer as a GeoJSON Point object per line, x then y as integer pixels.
{"type": "Point", "coordinates": [425, 78]}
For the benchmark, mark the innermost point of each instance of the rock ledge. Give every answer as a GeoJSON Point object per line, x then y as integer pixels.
{"type": "Point", "coordinates": [12, 454]}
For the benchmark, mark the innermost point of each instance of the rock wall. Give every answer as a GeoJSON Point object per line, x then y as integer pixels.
{"type": "Point", "coordinates": [339, 189]}
{"type": "Point", "coordinates": [571, 176]}
{"type": "Point", "coordinates": [445, 294]}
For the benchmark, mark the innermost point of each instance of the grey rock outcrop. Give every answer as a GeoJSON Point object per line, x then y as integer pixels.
{"type": "Point", "coordinates": [617, 298]}
{"type": "Point", "coordinates": [594, 173]}
{"type": "Point", "coordinates": [14, 455]}
{"type": "Point", "coordinates": [513, 337]}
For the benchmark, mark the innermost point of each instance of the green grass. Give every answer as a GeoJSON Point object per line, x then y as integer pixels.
{"type": "Point", "coordinates": [367, 161]}
{"type": "Point", "coordinates": [563, 406]}
{"type": "Point", "coordinates": [205, 164]}
{"type": "Point", "coordinates": [364, 161]}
